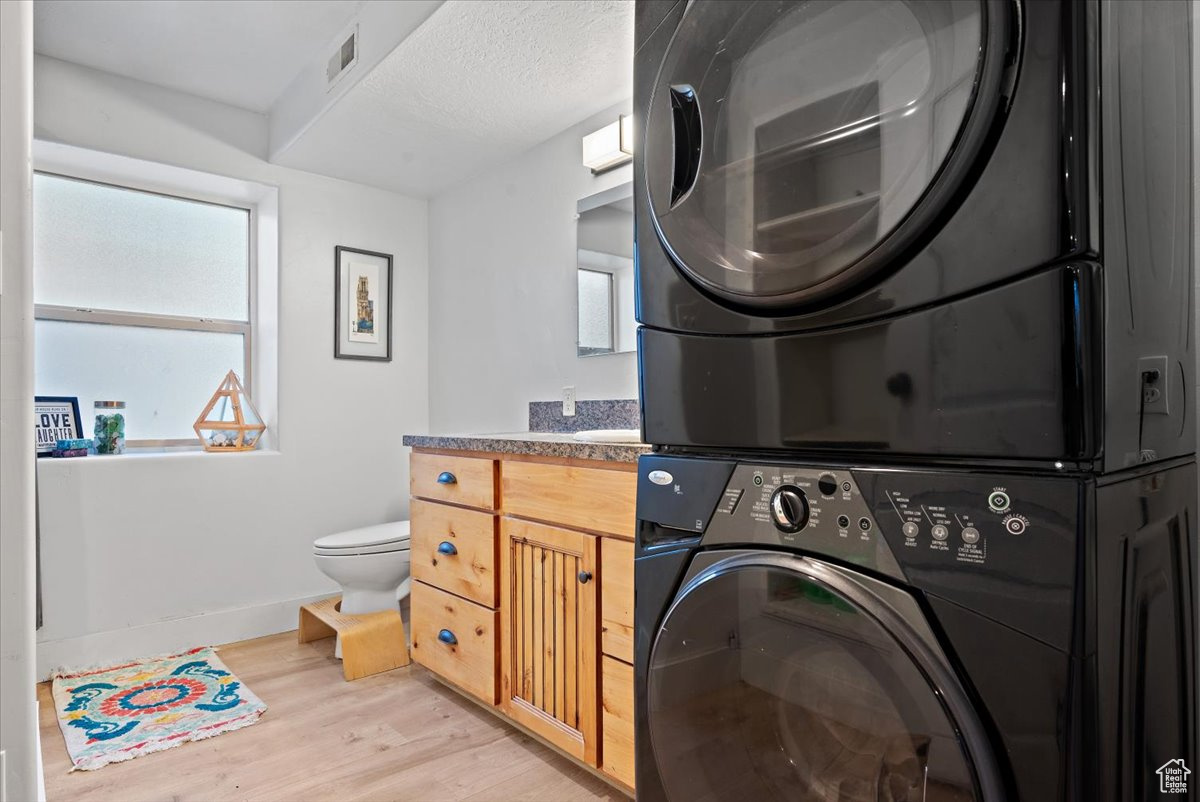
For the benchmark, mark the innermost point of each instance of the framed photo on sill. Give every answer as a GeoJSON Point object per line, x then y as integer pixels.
{"type": "Point", "coordinates": [55, 417]}
{"type": "Point", "coordinates": [362, 302]}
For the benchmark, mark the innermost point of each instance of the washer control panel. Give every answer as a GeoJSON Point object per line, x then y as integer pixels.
{"type": "Point", "coordinates": [935, 525]}
{"type": "Point", "coordinates": [959, 524]}
{"type": "Point", "coordinates": [1001, 544]}
{"type": "Point", "coordinates": [816, 509]}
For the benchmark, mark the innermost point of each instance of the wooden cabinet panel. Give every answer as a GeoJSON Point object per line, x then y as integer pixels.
{"type": "Point", "coordinates": [617, 720]}
{"type": "Point", "coordinates": [463, 480]}
{"type": "Point", "coordinates": [455, 550]}
{"type": "Point", "coordinates": [456, 639]}
{"type": "Point", "coordinates": [616, 598]}
{"type": "Point", "coordinates": [588, 498]}
{"type": "Point", "coordinates": [549, 656]}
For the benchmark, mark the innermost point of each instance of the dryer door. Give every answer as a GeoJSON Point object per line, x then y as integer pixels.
{"type": "Point", "coordinates": [794, 149]}
{"type": "Point", "coordinates": [780, 677]}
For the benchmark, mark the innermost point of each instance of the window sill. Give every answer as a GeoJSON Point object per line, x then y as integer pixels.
{"type": "Point", "coordinates": [154, 454]}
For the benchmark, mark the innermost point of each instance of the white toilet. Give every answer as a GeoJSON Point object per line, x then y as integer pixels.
{"type": "Point", "coordinates": [371, 564]}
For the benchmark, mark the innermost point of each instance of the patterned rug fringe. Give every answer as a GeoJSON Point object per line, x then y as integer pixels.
{"type": "Point", "coordinates": [99, 668]}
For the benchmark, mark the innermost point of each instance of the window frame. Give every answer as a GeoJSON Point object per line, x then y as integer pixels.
{"type": "Point", "coordinates": [71, 314]}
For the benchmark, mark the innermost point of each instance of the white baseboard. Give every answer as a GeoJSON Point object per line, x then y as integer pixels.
{"type": "Point", "coordinates": [162, 637]}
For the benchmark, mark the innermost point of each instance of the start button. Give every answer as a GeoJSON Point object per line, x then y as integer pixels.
{"type": "Point", "coordinates": [999, 501]}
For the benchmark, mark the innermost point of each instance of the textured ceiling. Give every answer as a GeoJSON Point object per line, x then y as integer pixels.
{"type": "Point", "coordinates": [241, 52]}
{"type": "Point", "coordinates": [476, 84]}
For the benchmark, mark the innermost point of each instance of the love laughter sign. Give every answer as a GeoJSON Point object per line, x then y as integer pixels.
{"type": "Point", "coordinates": [55, 418]}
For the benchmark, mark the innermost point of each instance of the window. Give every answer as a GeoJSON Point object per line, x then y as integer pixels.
{"type": "Point", "coordinates": [140, 297]}
{"type": "Point", "coordinates": [595, 312]}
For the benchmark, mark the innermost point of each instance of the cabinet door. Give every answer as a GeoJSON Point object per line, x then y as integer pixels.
{"type": "Point", "coordinates": [618, 719]}
{"type": "Point", "coordinates": [616, 598]}
{"type": "Point", "coordinates": [549, 635]}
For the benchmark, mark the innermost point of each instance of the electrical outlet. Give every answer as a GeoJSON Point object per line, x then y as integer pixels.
{"type": "Point", "coordinates": [568, 402]}
{"type": "Point", "coordinates": [1155, 400]}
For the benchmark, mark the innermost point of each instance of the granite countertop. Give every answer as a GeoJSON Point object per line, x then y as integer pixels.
{"type": "Point", "coordinates": [540, 444]}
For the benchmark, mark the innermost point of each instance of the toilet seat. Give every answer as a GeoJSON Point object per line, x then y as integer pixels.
{"type": "Point", "coordinates": [378, 539]}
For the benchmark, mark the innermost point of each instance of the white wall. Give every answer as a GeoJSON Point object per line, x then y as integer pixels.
{"type": "Point", "coordinates": [502, 290]}
{"type": "Point", "coordinates": [143, 554]}
{"type": "Point", "coordinates": [19, 779]}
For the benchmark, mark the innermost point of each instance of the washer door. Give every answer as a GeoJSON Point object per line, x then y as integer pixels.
{"type": "Point", "coordinates": [780, 677]}
{"type": "Point", "coordinates": [793, 149]}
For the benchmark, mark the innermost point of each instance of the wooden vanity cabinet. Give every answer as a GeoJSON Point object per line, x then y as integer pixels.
{"type": "Point", "coordinates": [533, 558]}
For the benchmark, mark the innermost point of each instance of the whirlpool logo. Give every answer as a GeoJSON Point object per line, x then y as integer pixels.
{"type": "Point", "coordinates": [1173, 777]}
{"type": "Point", "coordinates": [660, 477]}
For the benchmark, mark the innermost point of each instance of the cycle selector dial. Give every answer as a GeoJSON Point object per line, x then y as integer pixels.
{"type": "Point", "coordinates": [789, 509]}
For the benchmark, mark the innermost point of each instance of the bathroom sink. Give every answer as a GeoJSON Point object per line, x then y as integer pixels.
{"type": "Point", "coordinates": [629, 436]}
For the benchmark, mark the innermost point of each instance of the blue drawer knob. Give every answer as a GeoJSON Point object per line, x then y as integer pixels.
{"type": "Point", "coordinates": [447, 478]}
{"type": "Point", "coordinates": [446, 547]}
{"type": "Point", "coordinates": [447, 637]}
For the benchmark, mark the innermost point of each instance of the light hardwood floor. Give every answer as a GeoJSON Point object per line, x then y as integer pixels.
{"type": "Point", "coordinates": [400, 735]}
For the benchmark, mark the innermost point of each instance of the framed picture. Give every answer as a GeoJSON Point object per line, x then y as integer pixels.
{"type": "Point", "coordinates": [362, 303]}
{"type": "Point", "coordinates": [55, 417]}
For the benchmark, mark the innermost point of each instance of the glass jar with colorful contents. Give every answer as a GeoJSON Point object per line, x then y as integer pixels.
{"type": "Point", "coordinates": [110, 427]}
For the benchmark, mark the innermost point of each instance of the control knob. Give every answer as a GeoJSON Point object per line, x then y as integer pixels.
{"type": "Point", "coordinates": [789, 509]}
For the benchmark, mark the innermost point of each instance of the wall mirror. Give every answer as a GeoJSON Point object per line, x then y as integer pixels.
{"type": "Point", "coordinates": [604, 271]}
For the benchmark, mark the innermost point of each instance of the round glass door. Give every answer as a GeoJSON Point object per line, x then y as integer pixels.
{"type": "Point", "coordinates": [786, 142]}
{"type": "Point", "coordinates": [767, 684]}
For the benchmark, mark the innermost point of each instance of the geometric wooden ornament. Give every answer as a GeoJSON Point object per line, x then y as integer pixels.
{"type": "Point", "coordinates": [229, 422]}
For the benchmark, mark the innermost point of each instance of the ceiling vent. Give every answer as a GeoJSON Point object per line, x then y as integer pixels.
{"type": "Point", "coordinates": [343, 58]}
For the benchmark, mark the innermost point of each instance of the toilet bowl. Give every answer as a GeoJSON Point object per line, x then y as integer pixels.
{"type": "Point", "coordinates": [371, 564]}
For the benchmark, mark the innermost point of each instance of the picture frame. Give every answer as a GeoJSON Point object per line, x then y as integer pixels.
{"type": "Point", "coordinates": [55, 417]}
{"type": "Point", "coordinates": [362, 304]}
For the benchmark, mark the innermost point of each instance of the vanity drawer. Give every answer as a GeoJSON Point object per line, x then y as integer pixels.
{"type": "Point", "coordinates": [458, 480]}
{"type": "Point", "coordinates": [586, 498]}
{"type": "Point", "coordinates": [616, 598]}
{"type": "Point", "coordinates": [455, 549]}
{"type": "Point", "coordinates": [456, 639]}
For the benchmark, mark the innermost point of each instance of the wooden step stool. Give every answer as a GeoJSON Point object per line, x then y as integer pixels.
{"type": "Point", "coordinates": [371, 643]}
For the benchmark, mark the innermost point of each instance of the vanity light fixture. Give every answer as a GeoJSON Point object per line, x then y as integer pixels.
{"type": "Point", "coordinates": [609, 147]}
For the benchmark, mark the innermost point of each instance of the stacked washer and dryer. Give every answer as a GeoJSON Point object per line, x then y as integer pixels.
{"type": "Point", "coordinates": [915, 284]}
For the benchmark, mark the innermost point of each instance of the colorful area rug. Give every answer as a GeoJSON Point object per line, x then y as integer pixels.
{"type": "Point", "coordinates": [118, 713]}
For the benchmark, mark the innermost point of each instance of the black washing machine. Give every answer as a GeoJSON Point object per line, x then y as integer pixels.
{"type": "Point", "coordinates": [935, 229]}
{"type": "Point", "coordinates": [839, 633]}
